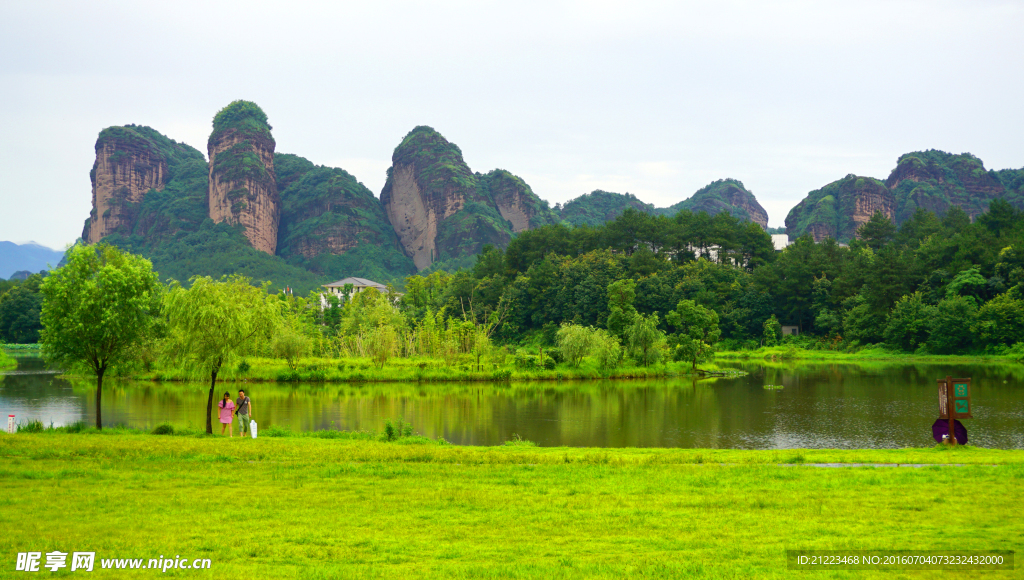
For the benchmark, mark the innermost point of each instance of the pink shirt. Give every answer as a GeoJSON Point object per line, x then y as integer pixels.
{"type": "Point", "coordinates": [225, 411]}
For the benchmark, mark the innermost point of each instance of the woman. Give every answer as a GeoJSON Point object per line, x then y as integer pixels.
{"type": "Point", "coordinates": [226, 420]}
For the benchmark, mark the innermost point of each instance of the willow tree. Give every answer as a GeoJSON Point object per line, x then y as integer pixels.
{"type": "Point", "coordinates": [214, 322]}
{"type": "Point", "coordinates": [97, 309]}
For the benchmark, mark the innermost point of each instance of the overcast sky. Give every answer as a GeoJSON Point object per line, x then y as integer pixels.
{"type": "Point", "coordinates": [657, 99]}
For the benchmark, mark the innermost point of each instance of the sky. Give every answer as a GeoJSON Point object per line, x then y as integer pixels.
{"type": "Point", "coordinates": [657, 99]}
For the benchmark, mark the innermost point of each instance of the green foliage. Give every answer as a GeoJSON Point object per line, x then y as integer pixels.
{"type": "Point", "coordinates": [720, 196]}
{"type": "Point", "coordinates": [1001, 321]}
{"type": "Point", "coordinates": [98, 309]}
{"type": "Point", "coordinates": [910, 323]}
{"type": "Point", "coordinates": [576, 342]}
{"type": "Point", "coordinates": [621, 313]}
{"type": "Point", "coordinates": [598, 207]}
{"type": "Point", "coordinates": [245, 117]}
{"type": "Point", "coordinates": [212, 323]}
{"type": "Point", "coordinates": [645, 340]}
{"type": "Point", "coordinates": [772, 332]}
{"type": "Point", "coordinates": [952, 327]}
{"type": "Point", "coordinates": [20, 307]}
{"type": "Point", "coordinates": [831, 209]}
{"type": "Point", "coordinates": [877, 232]}
{"type": "Point", "coordinates": [697, 332]}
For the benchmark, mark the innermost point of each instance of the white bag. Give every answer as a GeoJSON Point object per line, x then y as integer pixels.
{"type": "Point", "coordinates": [252, 428]}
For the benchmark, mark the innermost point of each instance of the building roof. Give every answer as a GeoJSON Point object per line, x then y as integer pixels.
{"type": "Point", "coordinates": [356, 282]}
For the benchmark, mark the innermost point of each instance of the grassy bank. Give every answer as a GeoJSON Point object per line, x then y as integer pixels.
{"type": "Point", "coordinates": [415, 369]}
{"type": "Point", "coordinates": [314, 507]}
{"type": "Point", "coordinates": [7, 362]}
{"type": "Point", "coordinates": [777, 353]}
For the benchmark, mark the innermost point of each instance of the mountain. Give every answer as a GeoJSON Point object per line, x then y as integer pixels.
{"type": "Point", "coordinates": [442, 211]}
{"type": "Point", "coordinates": [839, 208]}
{"type": "Point", "coordinates": [30, 257]}
{"type": "Point", "coordinates": [936, 180]}
{"type": "Point", "coordinates": [243, 186]}
{"type": "Point", "coordinates": [598, 207]}
{"type": "Point", "coordinates": [333, 225]}
{"type": "Point", "coordinates": [932, 180]}
{"type": "Point", "coordinates": [724, 195]}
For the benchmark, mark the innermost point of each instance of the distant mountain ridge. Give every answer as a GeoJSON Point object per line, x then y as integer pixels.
{"type": "Point", "coordinates": [31, 257]}
{"type": "Point", "coordinates": [723, 195]}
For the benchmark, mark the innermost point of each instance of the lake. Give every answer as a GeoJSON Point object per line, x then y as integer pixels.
{"type": "Point", "coordinates": [864, 405]}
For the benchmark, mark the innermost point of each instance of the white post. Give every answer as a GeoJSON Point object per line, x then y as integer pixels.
{"type": "Point", "coordinates": [10, 423]}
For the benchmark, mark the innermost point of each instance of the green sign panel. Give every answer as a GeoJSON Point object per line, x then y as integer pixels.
{"type": "Point", "coordinates": [961, 391]}
{"type": "Point", "coordinates": [962, 406]}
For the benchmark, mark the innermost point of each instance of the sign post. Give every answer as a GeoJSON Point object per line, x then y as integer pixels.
{"type": "Point", "coordinates": [954, 402]}
{"type": "Point", "coordinates": [10, 423]}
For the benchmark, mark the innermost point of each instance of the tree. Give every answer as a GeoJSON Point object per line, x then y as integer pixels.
{"type": "Point", "coordinates": [575, 342]}
{"type": "Point", "coordinates": [909, 323]}
{"type": "Point", "coordinates": [951, 330]}
{"type": "Point", "coordinates": [97, 309]}
{"type": "Point", "coordinates": [213, 322]}
{"type": "Point", "coordinates": [19, 311]}
{"type": "Point", "coordinates": [645, 340]}
{"type": "Point", "coordinates": [1001, 321]}
{"type": "Point", "coordinates": [877, 231]}
{"type": "Point", "coordinates": [607, 349]}
{"type": "Point", "coordinates": [698, 331]}
{"type": "Point", "coordinates": [621, 312]}
{"type": "Point", "coordinates": [771, 332]}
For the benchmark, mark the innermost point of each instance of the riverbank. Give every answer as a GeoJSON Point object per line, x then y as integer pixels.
{"type": "Point", "coordinates": [780, 353]}
{"type": "Point", "coordinates": [7, 362]}
{"type": "Point", "coordinates": [310, 507]}
{"type": "Point", "coordinates": [414, 369]}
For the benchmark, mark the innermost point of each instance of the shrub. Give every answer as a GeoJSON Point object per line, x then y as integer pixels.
{"type": "Point", "coordinates": [396, 431]}
{"type": "Point", "coordinates": [501, 375]}
{"type": "Point", "coordinates": [33, 426]}
{"type": "Point", "coordinates": [243, 367]}
{"type": "Point", "coordinates": [517, 441]}
{"type": "Point", "coordinates": [164, 429]}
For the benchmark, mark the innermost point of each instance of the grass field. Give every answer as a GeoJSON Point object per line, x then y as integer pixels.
{"type": "Point", "coordinates": [349, 506]}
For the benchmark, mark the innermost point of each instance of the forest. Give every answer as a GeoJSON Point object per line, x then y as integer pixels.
{"type": "Point", "coordinates": [937, 285]}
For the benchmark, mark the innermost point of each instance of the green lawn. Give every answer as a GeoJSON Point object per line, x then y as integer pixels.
{"type": "Point", "coordinates": [311, 507]}
{"type": "Point", "coordinates": [872, 353]}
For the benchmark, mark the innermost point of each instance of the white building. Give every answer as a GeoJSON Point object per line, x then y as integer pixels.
{"type": "Point", "coordinates": [780, 241]}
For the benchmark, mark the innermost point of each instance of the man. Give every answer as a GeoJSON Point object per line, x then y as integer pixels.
{"type": "Point", "coordinates": [243, 409]}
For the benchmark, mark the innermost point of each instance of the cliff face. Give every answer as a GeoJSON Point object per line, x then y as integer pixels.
{"type": "Point", "coordinates": [839, 208]}
{"type": "Point", "coordinates": [143, 182]}
{"type": "Point", "coordinates": [724, 195]}
{"type": "Point", "coordinates": [326, 211]}
{"type": "Point", "coordinates": [243, 185]}
{"type": "Point", "coordinates": [516, 201]}
{"type": "Point", "coordinates": [935, 181]}
{"type": "Point", "coordinates": [127, 166]}
{"type": "Point", "coordinates": [425, 197]}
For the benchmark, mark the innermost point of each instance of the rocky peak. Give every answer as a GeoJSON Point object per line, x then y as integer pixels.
{"type": "Point", "coordinates": [936, 180]}
{"type": "Point", "coordinates": [243, 185]}
{"type": "Point", "coordinates": [516, 201]}
{"type": "Point", "coordinates": [839, 208]}
{"type": "Point", "coordinates": [127, 165]}
{"type": "Point", "coordinates": [427, 183]}
{"type": "Point", "coordinates": [724, 195]}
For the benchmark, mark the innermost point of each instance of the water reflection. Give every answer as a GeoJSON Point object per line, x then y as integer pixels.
{"type": "Point", "coordinates": [820, 406]}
